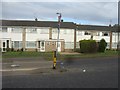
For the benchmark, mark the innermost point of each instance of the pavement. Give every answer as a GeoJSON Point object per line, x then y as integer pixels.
{"type": "Point", "coordinates": [69, 53]}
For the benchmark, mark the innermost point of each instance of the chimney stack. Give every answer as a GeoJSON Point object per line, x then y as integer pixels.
{"type": "Point", "coordinates": [36, 19]}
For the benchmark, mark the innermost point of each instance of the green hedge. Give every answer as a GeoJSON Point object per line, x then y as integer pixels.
{"type": "Point", "coordinates": [88, 46]}
{"type": "Point", "coordinates": [102, 45]}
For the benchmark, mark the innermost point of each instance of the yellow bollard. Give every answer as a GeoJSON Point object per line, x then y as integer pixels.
{"type": "Point", "coordinates": [54, 60]}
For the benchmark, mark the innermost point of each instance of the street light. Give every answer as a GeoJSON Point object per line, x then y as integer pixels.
{"type": "Point", "coordinates": [55, 52]}
{"type": "Point", "coordinates": [59, 21]}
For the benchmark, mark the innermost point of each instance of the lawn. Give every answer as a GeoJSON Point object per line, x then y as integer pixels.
{"type": "Point", "coordinates": [108, 53]}
{"type": "Point", "coordinates": [49, 55]}
{"type": "Point", "coordinates": [27, 54]}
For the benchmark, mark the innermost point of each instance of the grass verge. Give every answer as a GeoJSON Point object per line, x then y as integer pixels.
{"type": "Point", "coordinates": [108, 53]}
{"type": "Point", "coordinates": [49, 55]}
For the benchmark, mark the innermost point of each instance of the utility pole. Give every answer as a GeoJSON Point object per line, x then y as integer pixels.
{"type": "Point", "coordinates": [56, 52]}
{"type": "Point", "coordinates": [59, 22]}
{"type": "Point", "coordinates": [118, 45]}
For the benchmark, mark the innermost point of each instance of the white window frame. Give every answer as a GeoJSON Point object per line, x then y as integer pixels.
{"type": "Point", "coordinates": [4, 30]}
{"type": "Point", "coordinates": [16, 30]}
{"type": "Point", "coordinates": [31, 30]}
{"type": "Point", "coordinates": [29, 44]}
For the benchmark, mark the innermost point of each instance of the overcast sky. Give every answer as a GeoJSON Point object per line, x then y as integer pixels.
{"type": "Point", "coordinates": [97, 13]}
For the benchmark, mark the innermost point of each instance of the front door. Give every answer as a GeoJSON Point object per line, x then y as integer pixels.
{"type": "Point", "coordinates": [4, 46]}
{"type": "Point", "coordinates": [59, 46]}
{"type": "Point", "coordinates": [41, 46]}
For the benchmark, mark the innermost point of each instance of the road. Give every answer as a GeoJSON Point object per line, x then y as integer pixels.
{"type": "Point", "coordinates": [100, 73]}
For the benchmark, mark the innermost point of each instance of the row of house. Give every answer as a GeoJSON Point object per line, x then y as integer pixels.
{"type": "Point", "coordinates": [42, 36]}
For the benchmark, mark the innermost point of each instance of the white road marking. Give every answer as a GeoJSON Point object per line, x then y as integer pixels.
{"type": "Point", "coordinates": [23, 69]}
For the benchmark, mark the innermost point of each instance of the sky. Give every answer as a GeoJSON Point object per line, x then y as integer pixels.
{"type": "Point", "coordinates": [88, 13]}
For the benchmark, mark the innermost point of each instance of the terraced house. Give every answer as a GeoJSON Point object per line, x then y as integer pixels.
{"type": "Point", "coordinates": [41, 36]}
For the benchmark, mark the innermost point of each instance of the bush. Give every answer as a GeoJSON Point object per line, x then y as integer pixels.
{"type": "Point", "coordinates": [12, 49]}
{"type": "Point", "coordinates": [8, 49]}
{"type": "Point", "coordinates": [21, 49]}
{"type": "Point", "coordinates": [77, 50]}
{"type": "Point", "coordinates": [102, 45]}
{"type": "Point", "coordinates": [88, 46]}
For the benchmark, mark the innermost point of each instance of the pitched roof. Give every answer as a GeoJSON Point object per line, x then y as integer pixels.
{"type": "Point", "coordinates": [53, 24]}
{"type": "Point", "coordinates": [95, 27]}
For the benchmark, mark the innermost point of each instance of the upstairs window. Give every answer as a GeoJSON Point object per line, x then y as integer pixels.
{"type": "Point", "coordinates": [114, 34]}
{"type": "Point", "coordinates": [105, 34]}
{"type": "Point", "coordinates": [32, 30]}
{"type": "Point", "coordinates": [0, 29]}
{"type": "Point", "coordinates": [44, 31]}
{"type": "Point", "coordinates": [65, 31]}
{"type": "Point", "coordinates": [98, 34]}
{"type": "Point", "coordinates": [54, 31]}
{"type": "Point", "coordinates": [4, 29]}
{"type": "Point", "coordinates": [87, 33]}
{"type": "Point", "coordinates": [79, 33]}
{"type": "Point", "coordinates": [16, 30]}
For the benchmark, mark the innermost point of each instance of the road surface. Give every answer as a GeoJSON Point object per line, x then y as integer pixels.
{"type": "Point", "coordinates": [80, 73]}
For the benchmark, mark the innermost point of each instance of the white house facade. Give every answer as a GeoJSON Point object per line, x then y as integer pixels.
{"type": "Point", "coordinates": [110, 34]}
{"type": "Point", "coordinates": [36, 36]}
{"type": "Point", "coordinates": [42, 36]}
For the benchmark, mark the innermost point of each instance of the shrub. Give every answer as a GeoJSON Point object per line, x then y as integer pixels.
{"type": "Point", "coordinates": [102, 45]}
{"type": "Point", "coordinates": [12, 49]}
{"type": "Point", "coordinates": [18, 50]}
{"type": "Point", "coordinates": [77, 50]}
{"type": "Point", "coordinates": [21, 49]}
{"type": "Point", "coordinates": [8, 49]}
{"type": "Point", "coordinates": [88, 46]}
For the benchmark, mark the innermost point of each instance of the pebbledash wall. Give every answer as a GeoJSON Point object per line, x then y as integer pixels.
{"type": "Point", "coordinates": [41, 36]}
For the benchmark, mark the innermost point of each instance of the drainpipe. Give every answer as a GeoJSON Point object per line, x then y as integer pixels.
{"type": "Point", "coordinates": [50, 33]}
{"type": "Point", "coordinates": [91, 36]}
{"type": "Point", "coordinates": [74, 40]}
{"type": "Point", "coordinates": [110, 40]}
{"type": "Point", "coordinates": [24, 39]}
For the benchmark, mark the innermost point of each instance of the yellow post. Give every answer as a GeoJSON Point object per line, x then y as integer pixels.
{"type": "Point", "coordinates": [54, 59]}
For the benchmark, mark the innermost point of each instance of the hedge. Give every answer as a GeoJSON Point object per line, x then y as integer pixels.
{"type": "Point", "coordinates": [88, 46]}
